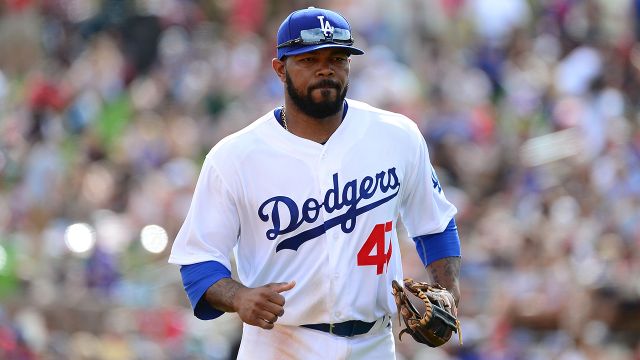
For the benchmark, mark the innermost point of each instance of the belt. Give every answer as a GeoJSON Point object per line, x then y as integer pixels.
{"type": "Point", "coordinates": [345, 329]}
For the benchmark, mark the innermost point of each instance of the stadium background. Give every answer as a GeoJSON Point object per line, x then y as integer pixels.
{"type": "Point", "coordinates": [530, 109]}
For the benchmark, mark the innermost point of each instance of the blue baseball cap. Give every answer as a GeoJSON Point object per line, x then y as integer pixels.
{"type": "Point", "coordinates": [311, 29]}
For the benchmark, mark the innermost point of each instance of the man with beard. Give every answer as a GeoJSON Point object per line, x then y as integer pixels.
{"type": "Point", "coordinates": [307, 197]}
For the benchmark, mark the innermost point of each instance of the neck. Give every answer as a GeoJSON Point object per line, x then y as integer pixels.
{"type": "Point", "coordinates": [314, 129]}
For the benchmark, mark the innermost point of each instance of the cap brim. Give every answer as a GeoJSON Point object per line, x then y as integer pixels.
{"type": "Point", "coordinates": [350, 49]}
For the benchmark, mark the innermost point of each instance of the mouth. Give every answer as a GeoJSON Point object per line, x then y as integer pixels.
{"type": "Point", "coordinates": [326, 85]}
{"type": "Point", "coordinates": [325, 91]}
{"type": "Point", "coordinates": [325, 88]}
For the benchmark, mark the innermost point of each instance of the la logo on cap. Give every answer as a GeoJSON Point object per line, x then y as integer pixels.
{"type": "Point", "coordinates": [326, 28]}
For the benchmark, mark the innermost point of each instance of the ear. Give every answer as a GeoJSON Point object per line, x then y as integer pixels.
{"type": "Point", "coordinates": [279, 68]}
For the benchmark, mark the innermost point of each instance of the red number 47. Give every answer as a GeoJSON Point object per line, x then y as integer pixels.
{"type": "Point", "coordinates": [376, 239]}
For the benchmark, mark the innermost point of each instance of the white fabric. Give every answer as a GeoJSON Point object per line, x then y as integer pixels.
{"type": "Point", "coordinates": [246, 174]}
{"type": "Point", "coordinates": [298, 343]}
{"type": "Point", "coordinates": [496, 19]}
{"type": "Point", "coordinates": [573, 76]}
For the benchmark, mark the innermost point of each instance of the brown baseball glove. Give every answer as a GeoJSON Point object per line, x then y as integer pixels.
{"type": "Point", "coordinates": [439, 321]}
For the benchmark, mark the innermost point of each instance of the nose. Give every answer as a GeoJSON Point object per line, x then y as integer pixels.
{"type": "Point", "coordinates": [325, 69]}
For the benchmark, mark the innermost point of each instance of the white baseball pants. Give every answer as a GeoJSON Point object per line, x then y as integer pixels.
{"type": "Point", "coordinates": [298, 343]}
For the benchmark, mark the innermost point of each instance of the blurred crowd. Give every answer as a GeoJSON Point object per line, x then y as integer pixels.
{"type": "Point", "coordinates": [531, 110]}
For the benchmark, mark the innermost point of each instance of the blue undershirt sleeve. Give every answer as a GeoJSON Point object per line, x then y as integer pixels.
{"type": "Point", "coordinates": [433, 247]}
{"type": "Point", "coordinates": [197, 278]}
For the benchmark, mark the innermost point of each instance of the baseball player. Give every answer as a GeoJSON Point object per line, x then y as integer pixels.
{"type": "Point", "coordinates": [307, 198]}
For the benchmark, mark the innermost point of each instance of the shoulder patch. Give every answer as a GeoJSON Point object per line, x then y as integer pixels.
{"type": "Point", "coordinates": [435, 181]}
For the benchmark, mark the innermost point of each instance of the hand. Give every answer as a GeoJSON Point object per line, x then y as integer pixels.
{"type": "Point", "coordinates": [263, 305]}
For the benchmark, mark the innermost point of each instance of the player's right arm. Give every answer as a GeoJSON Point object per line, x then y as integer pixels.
{"type": "Point", "coordinates": [202, 248]}
{"type": "Point", "coordinates": [259, 306]}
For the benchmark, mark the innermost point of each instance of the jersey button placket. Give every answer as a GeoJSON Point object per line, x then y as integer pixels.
{"type": "Point", "coordinates": [326, 171]}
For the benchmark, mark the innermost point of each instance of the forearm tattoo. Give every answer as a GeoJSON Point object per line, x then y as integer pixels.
{"type": "Point", "coordinates": [445, 271]}
{"type": "Point", "coordinates": [452, 267]}
{"type": "Point", "coordinates": [434, 274]}
{"type": "Point", "coordinates": [220, 295]}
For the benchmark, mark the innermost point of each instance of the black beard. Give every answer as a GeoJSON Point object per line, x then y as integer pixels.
{"type": "Point", "coordinates": [317, 109]}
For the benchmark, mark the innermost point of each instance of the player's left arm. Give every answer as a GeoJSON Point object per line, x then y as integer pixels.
{"type": "Point", "coordinates": [446, 272]}
{"type": "Point", "coordinates": [441, 253]}
{"type": "Point", "coordinates": [428, 214]}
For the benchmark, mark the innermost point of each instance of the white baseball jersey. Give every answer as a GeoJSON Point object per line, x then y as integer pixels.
{"type": "Point", "coordinates": [322, 215]}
